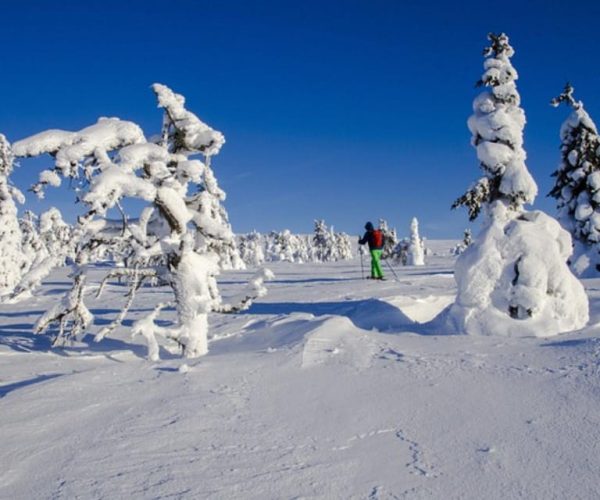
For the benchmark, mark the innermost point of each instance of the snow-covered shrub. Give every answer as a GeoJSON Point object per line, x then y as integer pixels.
{"type": "Point", "coordinates": [329, 246]}
{"type": "Point", "coordinates": [32, 245]}
{"type": "Point", "coordinates": [284, 246]}
{"type": "Point", "coordinates": [513, 280]}
{"type": "Point", "coordinates": [400, 253]}
{"type": "Point", "coordinates": [323, 243]}
{"type": "Point", "coordinates": [344, 246]}
{"type": "Point", "coordinates": [390, 239]}
{"type": "Point", "coordinates": [416, 247]}
{"type": "Point", "coordinates": [181, 237]}
{"type": "Point", "coordinates": [55, 232]}
{"type": "Point", "coordinates": [251, 248]}
{"type": "Point", "coordinates": [12, 260]}
{"type": "Point", "coordinates": [577, 186]}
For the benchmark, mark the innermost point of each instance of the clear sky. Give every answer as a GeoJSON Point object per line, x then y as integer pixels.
{"type": "Point", "coordinates": [342, 110]}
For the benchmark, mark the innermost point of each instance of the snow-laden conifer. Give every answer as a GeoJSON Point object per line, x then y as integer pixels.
{"type": "Point", "coordinates": [513, 280]}
{"type": "Point", "coordinates": [32, 244]}
{"type": "Point", "coordinates": [323, 242]}
{"type": "Point", "coordinates": [497, 134]}
{"type": "Point", "coordinates": [251, 248]}
{"type": "Point", "coordinates": [329, 246]}
{"type": "Point", "coordinates": [416, 248]}
{"type": "Point", "coordinates": [577, 186]}
{"type": "Point", "coordinates": [464, 244]}
{"type": "Point", "coordinates": [12, 260]}
{"type": "Point", "coordinates": [390, 239]}
{"type": "Point", "coordinates": [182, 236]}
{"type": "Point", "coordinates": [183, 133]}
{"type": "Point", "coordinates": [343, 244]}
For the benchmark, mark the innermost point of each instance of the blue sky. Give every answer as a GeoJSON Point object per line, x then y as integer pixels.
{"type": "Point", "coordinates": [347, 111]}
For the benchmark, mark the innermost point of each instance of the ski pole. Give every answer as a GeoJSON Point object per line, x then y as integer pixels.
{"type": "Point", "coordinates": [392, 269]}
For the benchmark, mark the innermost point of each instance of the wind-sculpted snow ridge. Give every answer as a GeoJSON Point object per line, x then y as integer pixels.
{"type": "Point", "coordinates": [337, 339]}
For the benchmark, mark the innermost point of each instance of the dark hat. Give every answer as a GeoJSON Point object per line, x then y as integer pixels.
{"type": "Point", "coordinates": [369, 226]}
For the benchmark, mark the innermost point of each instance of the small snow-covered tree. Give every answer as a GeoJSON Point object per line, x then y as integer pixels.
{"type": "Point", "coordinates": [32, 244]}
{"type": "Point", "coordinates": [400, 254]}
{"type": "Point", "coordinates": [251, 249]}
{"type": "Point", "coordinates": [12, 260]}
{"type": "Point", "coordinates": [513, 279]}
{"type": "Point", "coordinates": [343, 244]}
{"type": "Point", "coordinates": [464, 244]}
{"type": "Point", "coordinates": [55, 232]}
{"type": "Point", "coordinates": [178, 235]}
{"type": "Point", "coordinates": [577, 186]}
{"type": "Point", "coordinates": [329, 246]}
{"type": "Point", "coordinates": [416, 248]}
{"type": "Point", "coordinates": [287, 247]}
{"type": "Point", "coordinates": [323, 242]}
{"type": "Point", "coordinates": [390, 240]}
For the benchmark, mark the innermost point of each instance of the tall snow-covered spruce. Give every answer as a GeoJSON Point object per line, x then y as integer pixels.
{"type": "Point", "coordinates": [416, 248]}
{"type": "Point", "coordinates": [181, 238]}
{"type": "Point", "coordinates": [513, 279]}
{"type": "Point", "coordinates": [577, 186]}
{"type": "Point", "coordinates": [12, 260]}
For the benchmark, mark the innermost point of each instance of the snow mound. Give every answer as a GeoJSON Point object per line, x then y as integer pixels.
{"type": "Point", "coordinates": [337, 340]}
{"type": "Point", "coordinates": [514, 281]}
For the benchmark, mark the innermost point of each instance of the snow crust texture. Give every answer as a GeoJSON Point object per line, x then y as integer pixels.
{"type": "Point", "coordinates": [324, 389]}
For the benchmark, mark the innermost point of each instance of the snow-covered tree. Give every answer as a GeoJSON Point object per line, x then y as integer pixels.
{"type": "Point", "coordinates": [32, 245]}
{"type": "Point", "coordinates": [400, 254]}
{"type": "Point", "coordinates": [513, 280]}
{"type": "Point", "coordinates": [327, 245]}
{"type": "Point", "coordinates": [323, 242]}
{"type": "Point", "coordinates": [178, 235]}
{"type": "Point", "coordinates": [286, 243]}
{"type": "Point", "coordinates": [251, 249]}
{"type": "Point", "coordinates": [577, 186]}
{"type": "Point", "coordinates": [497, 133]}
{"type": "Point", "coordinates": [390, 240]}
{"type": "Point", "coordinates": [343, 244]}
{"type": "Point", "coordinates": [464, 244]}
{"type": "Point", "coordinates": [416, 248]}
{"type": "Point", "coordinates": [12, 260]}
{"type": "Point", "coordinates": [55, 232]}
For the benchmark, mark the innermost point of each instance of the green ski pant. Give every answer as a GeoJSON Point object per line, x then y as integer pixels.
{"type": "Point", "coordinates": [376, 271]}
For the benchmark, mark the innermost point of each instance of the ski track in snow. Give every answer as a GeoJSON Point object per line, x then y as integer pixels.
{"type": "Point", "coordinates": [329, 387]}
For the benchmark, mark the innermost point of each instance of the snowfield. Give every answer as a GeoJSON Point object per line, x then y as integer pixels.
{"type": "Point", "coordinates": [328, 387]}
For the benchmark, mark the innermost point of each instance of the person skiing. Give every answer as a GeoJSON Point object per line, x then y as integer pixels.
{"type": "Point", "coordinates": [374, 237]}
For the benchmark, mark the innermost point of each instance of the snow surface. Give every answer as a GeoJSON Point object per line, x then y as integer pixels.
{"type": "Point", "coordinates": [328, 387]}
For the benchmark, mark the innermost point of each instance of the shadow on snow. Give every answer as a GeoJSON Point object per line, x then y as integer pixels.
{"type": "Point", "coordinates": [367, 314]}
{"type": "Point", "coordinates": [5, 389]}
